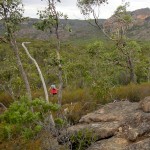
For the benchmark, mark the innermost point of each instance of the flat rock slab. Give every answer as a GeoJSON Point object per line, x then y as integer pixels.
{"type": "Point", "coordinates": [100, 130]}
{"type": "Point", "coordinates": [109, 144]}
{"type": "Point", "coordinates": [111, 112]}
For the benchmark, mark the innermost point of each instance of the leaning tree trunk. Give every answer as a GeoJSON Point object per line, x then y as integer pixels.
{"type": "Point", "coordinates": [42, 78]}
{"type": "Point", "coordinates": [13, 43]}
{"type": "Point", "coordinates": [39, 70]}
{"type": "Point", "coordinates": [21, 69]}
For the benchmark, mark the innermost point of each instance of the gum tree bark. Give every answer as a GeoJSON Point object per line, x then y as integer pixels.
{"type": "Point", "coordinates": [42, 79]}
{"type": "Point", "coordinates": [11, 14]}
{"type": "Point", "coordinates": [21, 69]}
{"type": "Point", "coordinates": [38, 69]}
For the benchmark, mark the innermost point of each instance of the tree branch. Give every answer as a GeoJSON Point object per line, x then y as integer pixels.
{"type": "Point", "coordinates": [1, 104]}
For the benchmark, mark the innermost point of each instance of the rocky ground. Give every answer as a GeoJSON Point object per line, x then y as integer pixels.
{"type": "Point", "coordinates": [118, 126]}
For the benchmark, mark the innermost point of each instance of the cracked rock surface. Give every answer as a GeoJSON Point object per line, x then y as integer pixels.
{"type": "Point", "coordinates": [118, 126]}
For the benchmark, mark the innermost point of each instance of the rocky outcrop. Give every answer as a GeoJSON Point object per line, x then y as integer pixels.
{"type": "Point", "coordinates": [141, 145]}
{"type": "Point", "coordinates": [138, 29]}
{"type": "Point", "coordinates": [118, 126]}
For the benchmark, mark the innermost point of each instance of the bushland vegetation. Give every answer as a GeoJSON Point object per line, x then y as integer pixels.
{"type": "Point", "coordinates": [92, 72]}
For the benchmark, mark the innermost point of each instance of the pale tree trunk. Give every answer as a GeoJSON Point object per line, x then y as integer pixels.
{"type": "Point", "coordinates": [13, 43]}
{"type": "Point", "coordinates": [41, 76]}
{"type": "Point", "coordinates": [21, 69]}
{"type": "Point", "coordinates": [38, 69]}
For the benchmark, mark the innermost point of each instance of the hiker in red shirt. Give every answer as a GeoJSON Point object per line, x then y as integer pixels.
{"type": "Point", "coordinates": [53, 90]}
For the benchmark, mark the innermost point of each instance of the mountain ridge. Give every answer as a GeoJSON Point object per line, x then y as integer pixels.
{"type": "Point", "coordinates": [81, 29]}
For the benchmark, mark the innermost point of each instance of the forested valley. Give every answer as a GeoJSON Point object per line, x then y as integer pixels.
{"type": "Point", "coordinates": [92, 63]}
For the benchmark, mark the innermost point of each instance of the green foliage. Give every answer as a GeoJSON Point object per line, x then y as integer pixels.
{"type": "Point", "coordinates": [7, 131]}
{"type": "Point", "coordinates": [101, 89]}
{"type": "Point", "coordinates": [59, 122]}
{"type": "Point", "coordinates": [49, 18]}
{"type": "Point", "coordinates": [95, 48]}
{"type": "Point", "coordinates": [122, 14]}
{"type": "Point", "coordinates": [88, 6]}
{"type": "Point", "coordinates": [10, 80]}
{"type": "Point", "coordinates": [29, 133]}
{"type": "Point", "coordinates": [82, 139]}
{"type": "Point", "coordinates": [20, 116]}
{"type": "Point", "coordinates": [96, 71]}
{"type": "Point", "coordinates": [128, 50]}
{"type": "Point", "coordinates": [11, 12]}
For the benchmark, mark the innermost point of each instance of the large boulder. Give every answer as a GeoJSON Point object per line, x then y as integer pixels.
{"type": "Point", "coordinates": [140, 145]}
{"type": "Point", "coordinates": [142, 129]}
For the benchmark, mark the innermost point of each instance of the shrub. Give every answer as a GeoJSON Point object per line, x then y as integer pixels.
{"type": "Point", "coordinates": [82, 139]}
{"type": "Point", "coordinates": [76, 95]}
{"type": "Point", "coordinates": [5, 99]}
{"type": "Point", "coordinates": [132, 92]}
{"type": "Point", "coordinates": [20, 117]}
{"type": "Point", "coordinates": [76, 110]}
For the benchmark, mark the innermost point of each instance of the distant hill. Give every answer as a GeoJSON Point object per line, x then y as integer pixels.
{"type": "Point", "coordinates": [81, 29]}
{"type": "Point", "coordinates": [78, 29]}
{"type": "Point", "coordinates": [141, 24]}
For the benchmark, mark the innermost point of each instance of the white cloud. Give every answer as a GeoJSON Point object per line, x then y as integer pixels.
{"type": "Point", "coordinates": [69, 7]}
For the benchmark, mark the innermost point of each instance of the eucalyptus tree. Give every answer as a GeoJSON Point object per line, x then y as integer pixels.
{"type": "Point", "coordinates": [11, 14]}
{"type": "Point", "coordinates": [50, 21]}
{"type": "Point", "coordinates": [116, 30]}
{"type": "Point", "coordinates": [127, 49]}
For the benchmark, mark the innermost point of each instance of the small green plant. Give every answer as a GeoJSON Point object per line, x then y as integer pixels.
{"type": "Point", "coordinates": [82, 139]}
{"type": "Point", "coordinates": [59, 122]}
{"type": "Point", "coordinates": [7, 131]}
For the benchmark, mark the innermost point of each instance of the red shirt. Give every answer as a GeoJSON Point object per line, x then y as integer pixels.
{"type": "Point", "coordinates": [53, 91]}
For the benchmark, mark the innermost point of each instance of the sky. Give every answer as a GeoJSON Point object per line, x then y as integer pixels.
{"type": "Point", "coordinates": [69, 7]}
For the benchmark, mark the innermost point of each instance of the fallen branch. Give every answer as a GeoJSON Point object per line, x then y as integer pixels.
{"type": "Point", "coordinates": [2, 105]}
